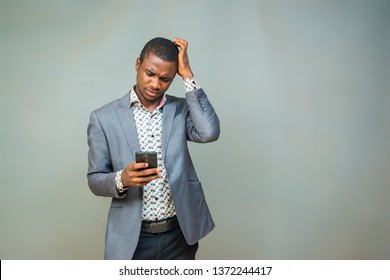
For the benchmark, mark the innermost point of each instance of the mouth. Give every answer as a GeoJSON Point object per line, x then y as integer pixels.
{"type": "Point", "coordinates": [152, 92]}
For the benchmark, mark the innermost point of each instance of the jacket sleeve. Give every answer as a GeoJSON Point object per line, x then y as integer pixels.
{"type": "Point", "coordinates": [101, 178]}
{"type": "Point", "coordinates": [202, 121]}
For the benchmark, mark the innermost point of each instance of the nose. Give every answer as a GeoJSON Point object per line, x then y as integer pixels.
{"type": "Point", "coordinates": [155, 83]}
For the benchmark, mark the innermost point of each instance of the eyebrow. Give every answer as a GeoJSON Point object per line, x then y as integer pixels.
{"type": "Point", "coordinates": [161, 77]}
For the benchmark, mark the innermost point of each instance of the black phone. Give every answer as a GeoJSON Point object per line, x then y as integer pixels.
{"type": "Point", "coordinates": [149, 157]}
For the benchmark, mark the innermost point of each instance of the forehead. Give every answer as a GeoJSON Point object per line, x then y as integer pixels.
{"type": "Point", "coordinates": [158, 66]}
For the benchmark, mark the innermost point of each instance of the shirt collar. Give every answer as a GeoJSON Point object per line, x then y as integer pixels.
{"type": "Point", "coordinates": [134, 100]}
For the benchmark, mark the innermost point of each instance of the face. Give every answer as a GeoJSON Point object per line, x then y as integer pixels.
{"type": "Point", "coordinates": [154, 76]}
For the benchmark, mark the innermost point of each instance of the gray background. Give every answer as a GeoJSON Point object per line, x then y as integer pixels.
{"type": "Point", "coordinates": [301, 170]}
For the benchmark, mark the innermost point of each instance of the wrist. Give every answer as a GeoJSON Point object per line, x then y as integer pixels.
{"type": "Point", "coordinates": [118, 182]}
{"type": "Point", "coordinates": [190, 84]}
{"type": "Point", "coordinates": [187, 75]}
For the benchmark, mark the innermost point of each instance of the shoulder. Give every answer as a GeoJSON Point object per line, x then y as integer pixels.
{"type": "Point", "coordinates": [110, 107]}
{"type": "Point", "coordinates": [178, 104]}
{"type": "Point", "coordinates": [172, 98]}
{"type": "Point", "coordinates": [106, 114]}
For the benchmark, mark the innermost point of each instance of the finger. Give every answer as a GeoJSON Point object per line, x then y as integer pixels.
{"type": "Point", "coordinates": [135, 175]}
{"type": "Point", "coordinates": [143, 180]}
{"type": "Point", "coordinates": [140, 165]}
{"type": "Point", "coordinates": [180, 42]}
{"type": "Point", "coordinates": [133, 166]}
{"type": "Point", "coordinates": [149, 172]}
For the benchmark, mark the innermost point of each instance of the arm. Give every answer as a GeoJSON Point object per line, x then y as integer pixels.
{"type": "Point", "coordinates": [202, 121]}
{"type": "Point", "coordinates": [101, 176]}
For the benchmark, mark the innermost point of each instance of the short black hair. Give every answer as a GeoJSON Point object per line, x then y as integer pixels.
{"type": "Point", "coordinates": [161, 47]}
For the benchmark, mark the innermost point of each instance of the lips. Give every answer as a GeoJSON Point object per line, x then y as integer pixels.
{"type": "Point", "coordinates": [152, 92]}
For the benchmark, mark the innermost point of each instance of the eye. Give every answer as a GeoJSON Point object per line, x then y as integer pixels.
{"type": "Point", "coordinates": [150, 74]}
{"type": "Point", "coordinates": [165, 80]}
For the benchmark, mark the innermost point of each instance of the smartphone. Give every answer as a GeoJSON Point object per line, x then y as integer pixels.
{"type": "Point", "coordinates": [149, 157]}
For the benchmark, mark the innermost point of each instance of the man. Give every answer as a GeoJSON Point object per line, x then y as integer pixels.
{"type": "Point", "coordinates": [155, 213]}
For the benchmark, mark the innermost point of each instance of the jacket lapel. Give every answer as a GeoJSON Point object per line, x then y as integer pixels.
{"type": "Point", "coordinates": [126, 118]}
{"type": "Point", "coordinates": [168, 116]}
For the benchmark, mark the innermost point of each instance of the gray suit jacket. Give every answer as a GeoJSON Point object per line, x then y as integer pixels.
{"type": "Point", "coordinates": [113, 141]}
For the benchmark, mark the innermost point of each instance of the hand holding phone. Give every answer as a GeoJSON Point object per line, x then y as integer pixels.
{"type": "Point", "coordinates": [135, 176]}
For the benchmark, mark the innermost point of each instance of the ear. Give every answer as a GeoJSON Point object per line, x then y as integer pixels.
{"type": "Point", "coordinates": [137, 64]}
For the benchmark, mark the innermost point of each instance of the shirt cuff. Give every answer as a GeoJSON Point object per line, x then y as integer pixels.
{"type": "Point", "coordinates": [118, 181]}
{"type": "Point", "coordinates": [190, 84]}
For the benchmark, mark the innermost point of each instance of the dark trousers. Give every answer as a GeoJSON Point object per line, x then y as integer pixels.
{"type": "Point", "coordinates": [169, 245]}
